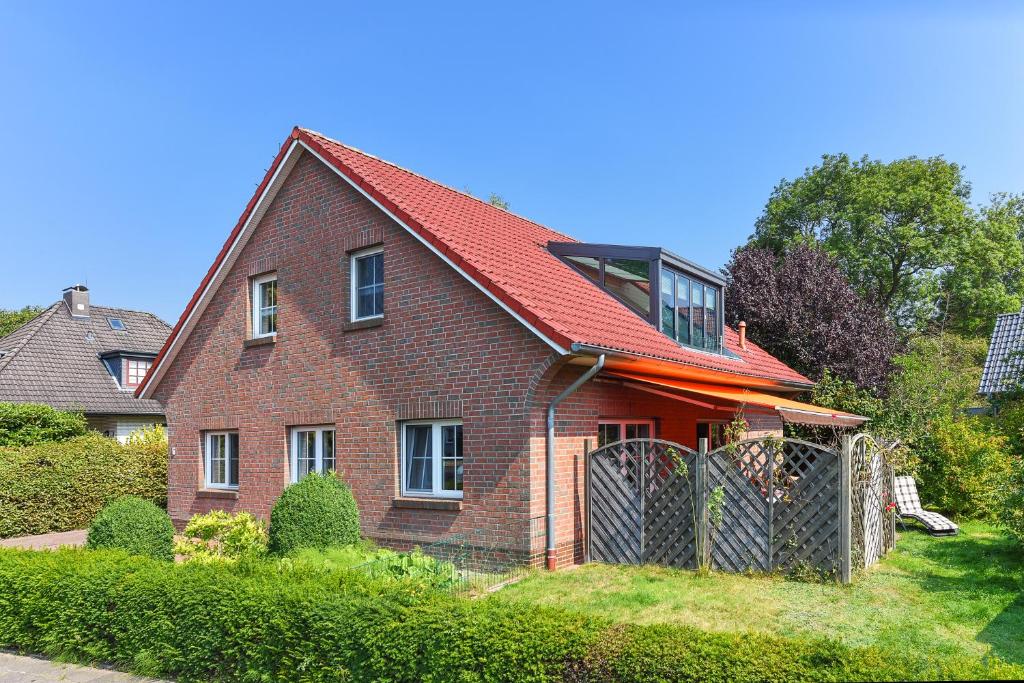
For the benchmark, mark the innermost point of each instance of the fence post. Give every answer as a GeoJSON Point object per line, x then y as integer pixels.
{"type": "Point", "coordinates": [845, 523]}
{"type": "Point", "coordinates": [771, 507]}
{"type": "Point", "coordinates": [586, 485]}
{"type": "Point", "coordinates": [700, 524]}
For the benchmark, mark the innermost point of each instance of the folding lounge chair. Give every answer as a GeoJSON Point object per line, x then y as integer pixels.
{"type": "Point", "coordinates": [908, 504]}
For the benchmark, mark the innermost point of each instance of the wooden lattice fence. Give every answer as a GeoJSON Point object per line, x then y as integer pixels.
{"type": "Point", "coordinates": [761, 505]}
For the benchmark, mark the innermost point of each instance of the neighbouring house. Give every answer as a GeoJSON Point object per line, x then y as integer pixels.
{"type": "Point", "coordinates": [79, 356]}
{"type": "Point", "coordinates": [363, 318]}
{"type": "Point", "coordinates": [1003, 364]}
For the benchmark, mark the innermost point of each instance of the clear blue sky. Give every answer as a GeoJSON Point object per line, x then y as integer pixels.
{"type": "Point", "coordinates": [133, 136]}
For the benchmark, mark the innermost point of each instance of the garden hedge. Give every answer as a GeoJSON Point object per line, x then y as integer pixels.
{"type": "Point", "coordinates": [279, 621]}
{"type": "Point", "coordinates": [133, 525]}
{"type": "Point", "coordinates": [61, 486]}
{"type": "Point", "coordinates": [24, 424]}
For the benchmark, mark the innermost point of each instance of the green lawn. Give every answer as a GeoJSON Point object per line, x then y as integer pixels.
{"type": "Point", "coordinates": [944, 595]}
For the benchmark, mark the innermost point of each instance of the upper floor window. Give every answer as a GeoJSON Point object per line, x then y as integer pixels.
{"type": "Point", "coordinates": [432, 459]}
{"type": "Point", "coordinates": [264, 306]}
{"type": "Point", "coordinates": [677, 296]}
{"type": "Point", "coordinates": [367, 284]}
{"type": "Point", "coordinates": [312, 451]}
{"type": "Point", "coordinates": [221, 460]}
{"type": "Point", "coordinates": [135, 371]}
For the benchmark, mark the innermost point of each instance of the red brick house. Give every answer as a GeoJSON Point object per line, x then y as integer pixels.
{"type": "Point", "coordinates": [364, 318]}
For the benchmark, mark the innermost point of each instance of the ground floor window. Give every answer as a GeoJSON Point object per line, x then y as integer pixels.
{"type": "Point", "coordinates": [714, 432]}
{"type": "Point", "coordinates": [432, 463]}
{"type": "Point", "coordinates": [312, 450]}
{"type": "Point", "coordinates": [221, 451]}
{"type": "Point", "coordinates": [610, 430]}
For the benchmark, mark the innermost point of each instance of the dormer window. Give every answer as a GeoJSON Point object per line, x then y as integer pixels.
{"type": "Point", "coordinates": [135, 371]}
{"type": "Point", "coordinates": [677, 296]}
{"type": "Point", "coordinates": [128, 368]}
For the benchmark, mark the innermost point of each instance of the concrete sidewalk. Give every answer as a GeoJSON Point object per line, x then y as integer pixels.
{"type": "Point", "coordinates": [46, 541]}
{"type": "Point", "coordinates": [34, 669]}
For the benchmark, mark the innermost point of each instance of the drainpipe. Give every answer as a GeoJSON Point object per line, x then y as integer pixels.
{"type": "Point", "coordinates": [550, 444]}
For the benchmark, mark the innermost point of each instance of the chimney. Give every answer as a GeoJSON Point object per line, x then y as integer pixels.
{"type": "Point", "coordinates": [77, 299]}
{"type": "Point", "coordinates": [743, 335]}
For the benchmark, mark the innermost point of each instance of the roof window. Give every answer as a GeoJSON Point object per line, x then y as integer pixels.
{"type": "Point", "coordinates": [116, 324]}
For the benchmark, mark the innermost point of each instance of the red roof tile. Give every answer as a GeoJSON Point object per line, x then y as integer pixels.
{"type": "Point", "coordinates": [508, 255]}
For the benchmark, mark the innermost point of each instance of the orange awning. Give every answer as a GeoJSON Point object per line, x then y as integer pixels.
{"type": "Point", "coordinates": [790, 410]}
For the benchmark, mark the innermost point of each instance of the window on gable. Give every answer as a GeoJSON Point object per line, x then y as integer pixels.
{"type": "Point", "coordinates": [432, 460]}
{"type": "Point", "coordinates": [264, 306]}
{"type": "Point", "coordinates": [135, 371]}
{"type": "Point", "coordinates": [221, 460]}
{"type": "Point", "coordinates": [312, 450]}
{"type": "Point", "coordinates": [367, 284]}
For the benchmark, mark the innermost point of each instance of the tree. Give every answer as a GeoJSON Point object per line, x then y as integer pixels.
{"type": "Point", "coordinates": [801, 308]}
{"type": "Point", "coordinates": [893, 228]}
{"type": "Point", "coordinates": [10, 320]}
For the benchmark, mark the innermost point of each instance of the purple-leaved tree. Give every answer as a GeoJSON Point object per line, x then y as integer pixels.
{"type": "Point", "coordinates": [801, 308]}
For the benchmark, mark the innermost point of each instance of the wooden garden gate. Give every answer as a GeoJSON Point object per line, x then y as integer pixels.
{"type": "Point", "coordinates": [762, 505]}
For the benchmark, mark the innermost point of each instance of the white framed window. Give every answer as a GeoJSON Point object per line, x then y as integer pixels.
{"type": "Point", "coordinates": [221, 456]}
{"type": "Point", "coordinates": [367, 285]}
{"type": "Point", "coordinates": [432, 460]}
{"type": "Point", "coordinates": [312, 450]}
{"type": "Point", "coordinates": [264, 306]}
{"type": "Point", "coordinates": [134, 371]}
{"type": "Point", "coordinates": [610, 430]}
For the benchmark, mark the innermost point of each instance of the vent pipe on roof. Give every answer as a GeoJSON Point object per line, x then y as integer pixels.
{"type": "Point", "coordinates": [549, 470]}
{"type": "Point", "coordinates": [77, 299]}
{"type": "Point", "coordinates": [743, 335]}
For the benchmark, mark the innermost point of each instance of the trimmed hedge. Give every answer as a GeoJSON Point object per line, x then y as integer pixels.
{"type": "Point", "coordinates": [24, 424]}
{"type": "Point", "coordinates": [276, 621]}
{"type": "Point", "coordinates": [63, 485]}
{"type": "Point", "coordinates": [134, 525]}
{"type": "Point", "coordinates": [318, 512]}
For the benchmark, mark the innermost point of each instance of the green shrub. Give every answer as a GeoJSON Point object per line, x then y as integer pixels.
{"type": "Point", "coordinates": [964, 467]}
{"type": "Point", "coordinates": [318, 512]}
{"type": "Point", "coordinates": [220, 536]}
{"type": "Point", "coordinates": [61, 486]}
{"type": "Point", "coordinates": [134, 525]}
{"type": "Point", "coordinates": [278, 621]}
{"type": "Point", "coordinates": [24, 424]}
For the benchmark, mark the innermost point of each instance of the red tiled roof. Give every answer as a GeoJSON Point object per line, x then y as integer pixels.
{"type": "Point", "coordinates": [508, 255]}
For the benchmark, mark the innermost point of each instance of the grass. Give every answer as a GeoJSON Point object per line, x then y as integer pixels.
{"type": "Point", "coordinates": [930, 596]}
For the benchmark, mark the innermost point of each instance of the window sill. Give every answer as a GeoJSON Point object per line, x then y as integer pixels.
{"type": "Point", "coordinates": [229, 494]}
{"type": "Point", "coordinates": [364, 324]}
{"type": "Point", "coordinates": [447, 504]}
{"type": "Point", "coordinates": [260, 341]}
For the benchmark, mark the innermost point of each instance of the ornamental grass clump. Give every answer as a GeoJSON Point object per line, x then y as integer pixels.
{"type": "Point", "coordinates": [318, 512]}
{"type": "Point", "coordinates": [135, 525]}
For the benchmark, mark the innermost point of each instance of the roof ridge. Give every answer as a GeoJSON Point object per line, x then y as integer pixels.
{"type": "Point", "coordinates": [310, 131]}
{"type": "Point", "coordinates": [38, 323]}
{"type": "Point", "coordinates": [130, 310]}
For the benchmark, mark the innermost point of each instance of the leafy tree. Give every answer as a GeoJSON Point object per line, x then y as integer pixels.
{"type": "Point", "coordinates": [987, 277]}
{"type": "Point", "coordinates": [800, 307]}
{"type": "Point", "coordinates": [10, 320]}
{"type": "Point", "coordinates": [894, 228]}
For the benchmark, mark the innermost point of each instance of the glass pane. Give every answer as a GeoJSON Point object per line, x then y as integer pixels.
{"type": "Point", "coordinates": [418, 458]}
{"type": "Point", "coordinates": [328, 446]}
{"type": "Point", "coordinates": [589, 266]}
{"type": "Point", "coordinates": [668, 306]}
{"type": "Point", "coordinates": [305, 453]}
{"type": "Point", "coordinates": [268, 294]}
{"type": "Point", "coordinates": [697, 302]}
{"type": "Point", "coordinates": [639, 430]}
{"type": "Point", "coordinates": [451, 463]}
{"type": "Point", "coordinates": [683, 308]}
{"type": "Point", "coordinates": [628, 279]}
{"type": "Point", "coordinates": [711, 318]}
{"type": "Point", "coordinates": [233, 459]}
{"type": "Point", "coordinates": [218, 474]}
{"type": "Point", "coordinates": [607, 433]}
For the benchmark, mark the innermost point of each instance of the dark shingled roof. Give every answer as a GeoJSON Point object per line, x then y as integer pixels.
{"type": "Point", "coordinates": [1005, 353]}
{"type": "Point", "coordinates": [54, 359]}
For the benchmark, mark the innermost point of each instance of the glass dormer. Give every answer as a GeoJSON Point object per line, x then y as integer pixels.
{"type": "Point", "coordinates": [682, 299]}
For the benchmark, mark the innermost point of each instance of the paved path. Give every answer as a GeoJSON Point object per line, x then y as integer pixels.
{"type": "Point", "coordinates": [46, 541]}
{"type": "Point", "coordinates": [15, 668]}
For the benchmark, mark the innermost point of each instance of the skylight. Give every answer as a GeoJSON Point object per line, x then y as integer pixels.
{"type": "Point", "coordinates": [116, 324]}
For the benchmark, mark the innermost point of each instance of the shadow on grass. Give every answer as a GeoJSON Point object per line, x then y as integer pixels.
{"type": "Point", "coordinates": [1006, 631]}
